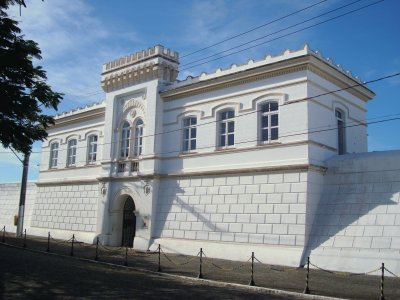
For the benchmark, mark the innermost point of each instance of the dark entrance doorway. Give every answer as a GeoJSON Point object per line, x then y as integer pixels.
{"type": "Point", "coordinates": [129, 223]}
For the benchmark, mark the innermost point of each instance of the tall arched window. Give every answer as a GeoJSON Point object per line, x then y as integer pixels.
{"type": "Point", "coordinates": [92, 149]}
{"type": "Point", "coordinates": [125, 140]}
{"type": "Point", "coordinates": [71, 152]}
{"type": "Point", "coordinates": [341, 138]}
{"type": "Point", "coordinates": [138, 138]}
{"type": "Point", "coordinates": [226, 128]}
{"type": "Point", "coordinates": [53, 155]}
{"type": "Point", "coordinates": [269, 121]}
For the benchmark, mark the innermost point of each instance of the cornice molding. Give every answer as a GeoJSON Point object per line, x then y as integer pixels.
{"type": "Point", "coordinates": [67, 182]}
{"type": "Point", "coordinates": [300, 167]}
{"type": "Point", "coordinates": [292, 65]}
{"type": "Point", "coordinates": [79, 117]}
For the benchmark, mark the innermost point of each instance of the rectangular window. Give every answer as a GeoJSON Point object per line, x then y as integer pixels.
{"type": "Point", "coordinates": [125, 139]}
{"type": "Point", "coordinates": [92, 150]}
{"type": "Point", "coordinates": [189, 133]}
{"type": "Point", "coordinates": [227, 129]}
{"type": "Point", "coordinates": [138, 138]}
{"type": "Point", "coordinates": [340, 132]}
{"type": "Point", "coordinates": [71, 155]}
{"type": "Point", "coordinates": [269, 121]}
{"type": "Point", "coordinates": [53, 155]}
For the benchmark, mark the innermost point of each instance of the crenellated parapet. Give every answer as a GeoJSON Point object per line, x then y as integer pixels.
{"type": "Point", "coordinates": [157, 62]}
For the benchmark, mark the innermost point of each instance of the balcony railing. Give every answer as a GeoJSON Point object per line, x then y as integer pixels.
{"type": "Point", "coordinates": [127, 166]}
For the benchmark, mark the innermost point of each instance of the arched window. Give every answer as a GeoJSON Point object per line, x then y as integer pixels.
{"type": "Point", "coordinates": [138, 138]}
{"type": "Point", "coordinates": [53, 155]}
{"type": "Point", "coordinates": [71, 152]}
{"type": "Point", "coordinates": [269, 121]}
{"type": "Point", "coordinates": [125, 139]}
{"type": "Point", "coordinates": [189, 133]}
{"type": "Point", "coordinates": [341, 138]}
{"type": "Point", "coordinates": [226, 128]}
{"type": "Point", "coordinates": [92, 149]}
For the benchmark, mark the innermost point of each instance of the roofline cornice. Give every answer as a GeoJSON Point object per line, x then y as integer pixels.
{"type": "Point", "coordinates": [291, 65]}
{"type": "Point", "coordinates": [79, 117]}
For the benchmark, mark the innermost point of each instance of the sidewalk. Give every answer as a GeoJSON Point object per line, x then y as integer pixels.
{"type": "Point", "coordinates": [325, 283]}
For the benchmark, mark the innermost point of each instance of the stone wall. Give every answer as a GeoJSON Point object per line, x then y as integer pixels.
{"type": "Point", "coordinates": [261, 208]}
{"type": "Point", "coordinates": [357, 224]}
{"type": "Point", "coordinates": [9, 203]}
{"type": "Point", "coordinates": [66, 207]}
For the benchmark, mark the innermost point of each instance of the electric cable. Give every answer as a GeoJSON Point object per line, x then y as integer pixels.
{"type": "Point", "coordinates": [241, 115]}
{"type": "Point", "coordinates": [282, 36]}
{"type": "Point", "coordinates": [253, 29]}
{"type": "Point", "coordinates": [270, 34]}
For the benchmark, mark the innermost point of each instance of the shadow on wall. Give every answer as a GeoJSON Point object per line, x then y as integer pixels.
{"type": "Point", "coordinates": [359, 204]}
{"type": "Point", "coordinates": [176, 215]}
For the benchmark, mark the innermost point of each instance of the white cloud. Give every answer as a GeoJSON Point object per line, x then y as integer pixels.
{"type": "Point", "coordinates": [74, 43]}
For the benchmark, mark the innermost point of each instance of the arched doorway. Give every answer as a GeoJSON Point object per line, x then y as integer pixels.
{"type": "Point", "coordinates": [128, 223]}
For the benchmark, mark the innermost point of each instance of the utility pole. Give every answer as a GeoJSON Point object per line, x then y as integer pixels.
{"type": "Point", "coordinates": [21, 210]}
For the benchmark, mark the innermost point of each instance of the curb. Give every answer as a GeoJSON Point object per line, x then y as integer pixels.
{"type": "Point", "coordinates": [208, 282]}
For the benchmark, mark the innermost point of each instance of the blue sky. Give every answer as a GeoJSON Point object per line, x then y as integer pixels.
{"type": "Point", "coordinates": [77, 37]}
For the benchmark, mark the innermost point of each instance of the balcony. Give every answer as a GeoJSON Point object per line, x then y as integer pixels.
{"type": "Point", "coordinates": [127, 167]}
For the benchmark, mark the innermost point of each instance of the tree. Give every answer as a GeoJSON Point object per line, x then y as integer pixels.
{"type": "Point", "coordinates": [23, 89]}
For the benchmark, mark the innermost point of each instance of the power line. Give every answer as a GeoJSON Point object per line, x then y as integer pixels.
{"type": "Point", "coordinates": [243, 33]}
{"type": "Point", "coordinates": [255, 111]}
{"type": "Point", "coordinates": [213, 146]}
{"type": "Point", "coordinates": [275, 32]}
{"type": "Point", "coordinates": [253, 29]}
{"type": "Point", "coordinates": [282, 36]}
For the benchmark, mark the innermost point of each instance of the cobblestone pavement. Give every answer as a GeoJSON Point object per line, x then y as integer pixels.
{"type": "Point", "coordinates": [333, 284]}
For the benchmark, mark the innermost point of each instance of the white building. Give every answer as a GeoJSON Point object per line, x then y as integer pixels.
{"type": "Point", "coordinates": [232, 161]}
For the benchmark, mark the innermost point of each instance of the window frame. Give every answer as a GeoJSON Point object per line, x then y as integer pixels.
{"type": "Point", "coordinates": [340, 131]}
{"type": "Point", "coordinates": [53, 159]}
{"type": "Point", "coordinates": [225, 122]}
{"type": "Point", "coordinates": [125, 141]}
{"type": "Point", "coordinates": [92, 149]}
{"type": "Point", "coordinates": [71, 152]}
{"type": "Point", "coordinates": [138, 138]}
{"type": "Point", "coordinates": [269, 127]}
{"type": "Point", "coordinates": [189, 129]}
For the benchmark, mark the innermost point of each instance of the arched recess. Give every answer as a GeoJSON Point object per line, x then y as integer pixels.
{"type": "Point", "coordinates": [281, 98]}
{"type": "Point", "coordinates": [120, 212]}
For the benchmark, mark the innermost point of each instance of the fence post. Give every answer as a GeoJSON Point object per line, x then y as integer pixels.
{"type": "Point", "coordinates": [3, 239]}
{"type": "Point", "coordinates": [201, 264]}
{"type": "Point", "coordinates": [97, 249]}
{"type": "Point", "coordinates": [24, 243]}
{"type": "Point", "coordinates": [72, 245]}
{"type": "Point", "coordinates": [126, 256]}
{"type": "Point", "coordinates": [382, 282]}
{"type": "Point", "coordinates": [48, 242]}
{"type": "Point", "coordinates": [307, 289]}
{"type": "Point", "coordinates": [252, 283]}
{"type": "Point", "coordinates": [159, 258]}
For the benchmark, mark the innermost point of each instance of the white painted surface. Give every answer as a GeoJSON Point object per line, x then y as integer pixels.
{"type": "Point", "coordinates": [9, 203]}
{"type": "Point", "coordinates": [357, 224]}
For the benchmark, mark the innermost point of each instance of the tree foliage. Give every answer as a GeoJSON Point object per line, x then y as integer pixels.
{"type": "Point", "coordinates": [23, 89]}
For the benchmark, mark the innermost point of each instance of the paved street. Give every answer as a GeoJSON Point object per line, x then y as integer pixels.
{"type": "Point", "coordinates": [25, 274]}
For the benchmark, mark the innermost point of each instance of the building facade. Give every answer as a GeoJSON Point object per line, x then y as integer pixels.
{"type": "Point", "coordinates": [232, 161]}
